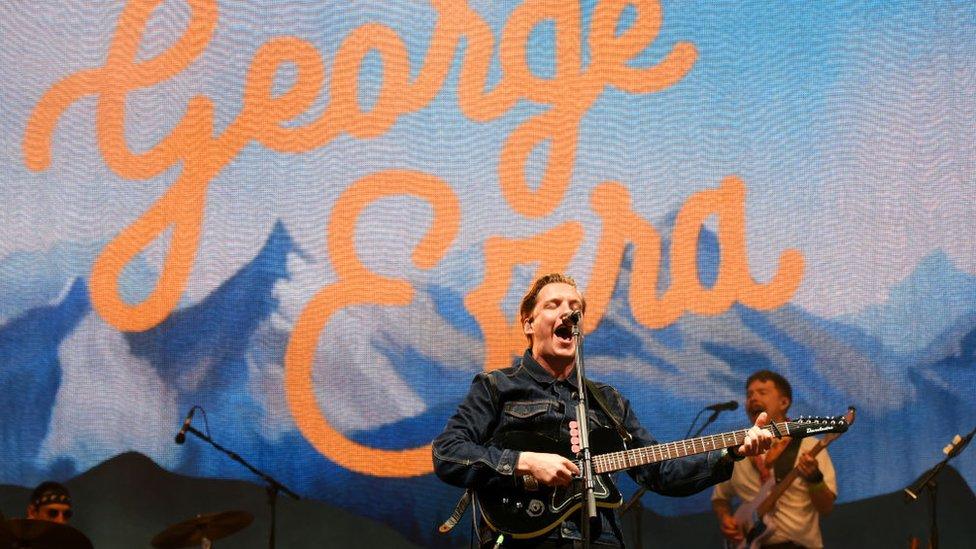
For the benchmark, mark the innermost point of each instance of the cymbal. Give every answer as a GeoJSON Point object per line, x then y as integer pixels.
{"type": "Point", "coordinates": [212, 526]}
{"type": "Point", "coordinates": [42, 534]}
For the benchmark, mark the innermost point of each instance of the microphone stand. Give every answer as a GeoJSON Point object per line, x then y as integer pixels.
{"type": "Point", "coordinates": [272, 486]}
{"type": "Point", "coordinates": [588, 510]}
{"type": "Point", "coordinates": [928, 480]}
{"type": "Point", "coordinates": [634, 500]}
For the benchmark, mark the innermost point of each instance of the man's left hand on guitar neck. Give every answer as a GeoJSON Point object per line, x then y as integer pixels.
{"type": "Point", "coordinates": [820, 494]}
{"type": "Point", "coordinates": [757, 441]}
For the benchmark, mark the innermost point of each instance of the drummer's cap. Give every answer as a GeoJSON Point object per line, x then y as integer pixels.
{"type": "Point", "coordinates": [50, 492]}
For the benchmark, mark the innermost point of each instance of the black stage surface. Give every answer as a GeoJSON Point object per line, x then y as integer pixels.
{"type": "Point", "coordinates": [123, 502]}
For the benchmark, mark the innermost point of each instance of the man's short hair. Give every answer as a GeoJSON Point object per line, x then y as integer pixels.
{"type": "Point", "coordinates": [528, 302]}
{"type": "Point", "coordinates": [50, 492]}
{"type": "Point", "coordinates": [779, 381]}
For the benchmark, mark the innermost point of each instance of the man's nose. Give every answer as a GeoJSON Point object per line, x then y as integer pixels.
{"type": "Point", "coordinates": [565, 310]}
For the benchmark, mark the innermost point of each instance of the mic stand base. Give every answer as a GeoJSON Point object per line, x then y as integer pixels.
{"type": "Point", "coordinates": [272, 491]}
{"type": "Point", "coordinates": [933, 520]}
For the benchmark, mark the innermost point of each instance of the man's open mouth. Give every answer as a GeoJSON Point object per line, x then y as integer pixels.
{"type": "Point", "coordinates": [564, 332]}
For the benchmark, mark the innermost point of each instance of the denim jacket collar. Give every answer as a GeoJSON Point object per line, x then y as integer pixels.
{"type": "Point", "coordinates": [540, 374]}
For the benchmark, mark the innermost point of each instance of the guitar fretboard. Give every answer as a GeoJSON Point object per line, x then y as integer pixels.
{"type": "Point", "coordinates": [625, 459]}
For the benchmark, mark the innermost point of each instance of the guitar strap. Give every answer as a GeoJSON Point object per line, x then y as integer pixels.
{"type": "Point", "coordinates": [459, 509]}
{"type": "Point", "coordinates": [786, 460]}
{"type": "Point", "coordinates": [602, 403]}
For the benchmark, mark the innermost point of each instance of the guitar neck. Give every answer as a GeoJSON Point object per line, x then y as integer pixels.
{"type": "Point", "coordinates": [625, 459]}
{"type": "Point", "coordinates": [770, 501]}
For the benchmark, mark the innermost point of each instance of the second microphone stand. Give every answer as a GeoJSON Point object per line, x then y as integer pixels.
{"type": "Point", "coordinates": [929, 481]}
{"type": "Point", "coordinates": [272, 486]}
{"type": "Point", "coordinates": [634, 501]}
{"type": "Point", "coordinates": [588, 511]}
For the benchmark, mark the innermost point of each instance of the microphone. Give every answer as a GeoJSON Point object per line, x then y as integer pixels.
{"type": "Point", "coordinates": [721, 407]}
{"type": "Point", "coordinates": [573, 318]}
{"type": "Point", "coordinates": [181, 435]}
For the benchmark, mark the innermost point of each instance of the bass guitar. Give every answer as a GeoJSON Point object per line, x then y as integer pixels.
{"type": "Point", "coordinates": [751, 516]}
{"type": "Point", "coordinates": [526, 509]}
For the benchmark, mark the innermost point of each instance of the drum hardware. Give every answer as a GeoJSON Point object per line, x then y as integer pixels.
{"type": "Point", "coordinates": [41, 534]}
{"type": "Point", "coordinates": [202, 530]}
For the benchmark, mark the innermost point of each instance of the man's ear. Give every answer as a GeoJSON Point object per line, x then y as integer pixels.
{"type": "Point", "coordinates": [527, 328]}
{"type": "Point", "coordinates": [786, 403]}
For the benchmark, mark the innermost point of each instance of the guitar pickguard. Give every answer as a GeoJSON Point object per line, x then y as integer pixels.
{"type": "Point", "coordinates": [563, 497]}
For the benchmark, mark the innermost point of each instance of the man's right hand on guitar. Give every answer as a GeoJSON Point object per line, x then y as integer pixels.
{"type": "Point", "coordinates": [730, 528]}
{"type": "Point", "coordinates": [549, 469]}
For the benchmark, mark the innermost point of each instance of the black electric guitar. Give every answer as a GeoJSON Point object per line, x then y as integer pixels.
{"type": "Point", "coordinates": [524, 510]}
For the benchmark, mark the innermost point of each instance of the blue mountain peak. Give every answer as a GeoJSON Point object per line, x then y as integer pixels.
{"type": "Point", "coordinates": [216, 331]}
{"type": "Point", "coordinates": [922, 306]}
{"type": "Point", "coordinates": [32, 372]}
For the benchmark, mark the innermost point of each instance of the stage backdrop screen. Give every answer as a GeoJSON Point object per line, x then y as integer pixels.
{"type": "Point", "coordinates": [316, 220]}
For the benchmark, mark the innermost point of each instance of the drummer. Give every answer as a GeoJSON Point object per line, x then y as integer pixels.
{"type": "Point", "coordinates": [50, 501]}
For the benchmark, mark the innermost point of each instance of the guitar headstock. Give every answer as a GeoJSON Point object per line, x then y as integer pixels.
{"type": "Point", "coordinates": [850, 415]}
{"type": "Point", "coordinates": [805, 426]}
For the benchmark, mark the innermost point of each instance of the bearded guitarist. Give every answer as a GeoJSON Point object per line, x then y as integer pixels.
{"type": "Point", "coordinates": [479, 450]}
{"type": "Point", "coordinates": [795, 519]}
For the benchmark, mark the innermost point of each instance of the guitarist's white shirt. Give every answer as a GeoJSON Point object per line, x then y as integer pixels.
{"type": "Point", "coordinates": [794, 517]}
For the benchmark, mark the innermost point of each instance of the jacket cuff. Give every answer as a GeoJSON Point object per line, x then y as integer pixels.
{"type": "Point", "coordinates": [507, 462]}
{"type": "Point", "coordinates": [721, 462]}
{"type": "Point", "coordinates": [732, 454]}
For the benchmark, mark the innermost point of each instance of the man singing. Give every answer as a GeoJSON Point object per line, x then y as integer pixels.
{"type": "Point", "coordinates": [537, 394]}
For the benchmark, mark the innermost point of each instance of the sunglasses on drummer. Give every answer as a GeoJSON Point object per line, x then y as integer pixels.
{"type": "Point", "coordinates": [53, 513]}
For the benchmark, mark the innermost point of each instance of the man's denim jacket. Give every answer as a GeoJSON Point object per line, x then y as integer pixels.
{"type": "Point", "coordinates": [525, 397]}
